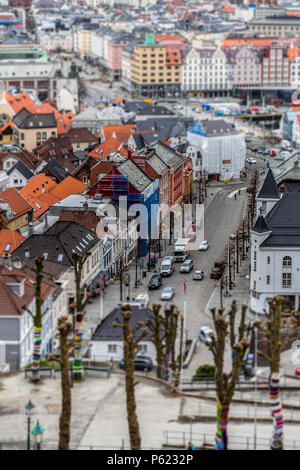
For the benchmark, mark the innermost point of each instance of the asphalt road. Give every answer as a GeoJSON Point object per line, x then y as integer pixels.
{"type": "Point", "coordinates": [222, 218]}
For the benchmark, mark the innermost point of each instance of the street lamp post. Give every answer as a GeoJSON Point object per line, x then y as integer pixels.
{"type": "Point", "coordinates": [38, 432]}
{"type": "Point", "coordinates": [29, 410]}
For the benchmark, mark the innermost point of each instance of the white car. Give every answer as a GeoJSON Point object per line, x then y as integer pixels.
{"type": "Point", "coordinates": [232, 236]}
{"type": "Point", "coordinates": [203, 245]}
{"type": "Point", "coordinates": [142, 300]}
{"type": "Point", "coordinates": [205, 333]}
{"type": "Point", "coordinates": [167, 293]}
{"type": "Point", "coordinates": [251, 160]}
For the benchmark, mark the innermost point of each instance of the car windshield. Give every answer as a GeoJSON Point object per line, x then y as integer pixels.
{"type": "Point", "coordinates": [197, 272]}
{"type": "Point", "coordinates": [168, 289]}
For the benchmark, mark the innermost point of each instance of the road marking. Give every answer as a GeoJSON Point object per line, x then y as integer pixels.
{"type": "Point", "coordinates": [230, 195]}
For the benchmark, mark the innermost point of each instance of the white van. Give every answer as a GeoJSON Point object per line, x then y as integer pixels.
{"type": "Point", "coordinates": [167, 266]}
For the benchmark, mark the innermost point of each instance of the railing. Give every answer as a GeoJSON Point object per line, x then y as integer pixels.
{"type": "Point", "coordinates": [181, 438]}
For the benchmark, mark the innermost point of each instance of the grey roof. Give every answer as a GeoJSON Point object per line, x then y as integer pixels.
{"type": "Point", "coordinates": [25, 120]}
{"type": "Point", "coordinates": [106, 331]}
{"type": "Point", "coordinates": [157, 164]}
{"type": "Point", "coordinates": [147, 109]}
{"type": "Point", "coordinates": [61, 239]}
{"type": "Point", "coordinates": [269, 189]}
{"type": "Point", "coordinates": [136, 177]}
{"type": "Point", "coordinates": [168, 155]}
{"type": "Point", "coordinates": [218, 127]}
{"type": "Point", "coordinates": [163, 128]}
{"type": "Point", "coordinates": [56, 169]}
{"type": "Point", "coordinates": [260, 225]}
{"type": "Point", "coordinates": [284, 222]}
{"type": "Point", "coordinates": [21, 169]}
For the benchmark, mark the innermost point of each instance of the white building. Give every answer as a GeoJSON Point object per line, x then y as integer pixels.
{"type": "Point", "coordinates": [107, 343]}
{"type": "Point", "coordinates": [275, 246]}
{"type": "Point", "coordinates": [55, 41]}
{"type": "Point", "coordinates": [222, 148]}
{"type": "Point", "coordinates": [66, 100]}
{"type": "Point", "coordinates": [206, 70]}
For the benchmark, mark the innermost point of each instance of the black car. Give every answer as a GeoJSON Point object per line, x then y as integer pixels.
{"type": "Point", "coordinates": [216, 273]}
{"type": "Point", "coordinates": [155, 281]}
{"type": "Point", "coordinates": [140, 363]}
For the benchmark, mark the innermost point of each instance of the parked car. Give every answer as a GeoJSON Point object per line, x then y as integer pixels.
{"type": "Point", "coordinates": [232, 236]}
{"type": "Point", "coordinates": [251, 160]}
{"type": "Point", "coordinates": [155, 281]}
{"type": "Point", "coordinates": [215, 273]}
{"type": "Point", "coordinates": [204, 334]}
{"type": "Point", "coordinates": [198, 275]}
{"type": "Point", "coordinates": [167, 293]}
{"type": "Point", "coordinates": [140, 363]}
{"type": "Point", "coordinates": [187, 266]}
{"type": "Point", "coordinates": [203, 245]}
{"type": "Point", "coordinates": [249, 365]}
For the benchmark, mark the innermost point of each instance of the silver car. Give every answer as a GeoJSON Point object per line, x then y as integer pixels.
{"type": "Point", "coordinates": [198, 275]}
{"type": "Point", "coordinates": [167, 293]}
{"type": "Point", "coordinates": [205, 333]}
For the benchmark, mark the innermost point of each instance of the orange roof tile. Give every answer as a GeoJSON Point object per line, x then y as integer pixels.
{"type": "Point", "coordinates": [110, 145]}
{"type": "Point", "coordinates": [67, 187]}
{"type": "Point", "coordinates": [17, 102]}
{"type": "Point", "coordinates": [292, 13]}
{"type": "Point", "coordinates": [167, 37]}
{"type": "Point", "coordinates": [8, 124]}
{"type": "Point", "coordinates": [121, 132]}
{"type": "Point", "coordinates": [16, 202]}
{"type": "Point", "coordinates": [11, 240]}
{"type": "Point", "coordinates": [35, 188]}
{"type": "Point", "coordinates": [38, 205]}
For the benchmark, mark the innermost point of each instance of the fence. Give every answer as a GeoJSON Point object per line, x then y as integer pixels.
{"type": "Point", "coordinates": [181, 438]}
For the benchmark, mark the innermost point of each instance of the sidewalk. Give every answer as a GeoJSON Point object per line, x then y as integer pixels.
{"type": "Point", "coordinates": [240, 291]}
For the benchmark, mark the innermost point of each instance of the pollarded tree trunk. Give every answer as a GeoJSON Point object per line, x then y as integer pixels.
{"type": "Point", "coordinates": [65, 328]}
{"type": "Point", "coordinates": [130, 350]}
{"type": "Point", "coordinates": [37, 320]}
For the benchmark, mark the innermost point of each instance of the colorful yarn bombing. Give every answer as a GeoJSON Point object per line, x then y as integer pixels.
{"type": "Point", "coordinates": [37, 341]}
{"type": "Point", "coordinates": [222, 423]}
{"type": "Point", "coordinates": [77, 365]}
{"type": "Point", "coordinates": [276, 411]}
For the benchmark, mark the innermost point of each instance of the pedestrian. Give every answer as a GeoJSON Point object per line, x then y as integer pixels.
{"type": "Point", "coordinates": [239, 191]}
{"type": "Point", "coordinates": [191, 446]}
{"type": "Point", "coordinates": [235, 196]}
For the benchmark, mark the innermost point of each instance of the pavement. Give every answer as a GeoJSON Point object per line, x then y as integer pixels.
{"type": "Point", "coordinates": [100, 422]}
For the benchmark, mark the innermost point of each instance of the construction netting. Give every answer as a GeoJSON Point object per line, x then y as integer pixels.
{"type": "Point", "coordinates": [221, 155]}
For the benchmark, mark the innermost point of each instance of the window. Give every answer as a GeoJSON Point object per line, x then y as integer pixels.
{"type": "Point", "coordinates": [22, 135]}
{"type": "Point", "coordinates": [268, 259]}
{"type": "Point", "coordinates": [112, 348]}
{"type": "Point", "coordinates": [287, 262]}
{"type": "Point", "coordinates": [254, 285]}
{"type": "Point", "coordinates": [254, 266]}
{"type": "Point", "coordinates": [286, 280]}
{"type": "Point", "coordinates": [254, 255]}
{"type": "Point", "coordinates": [268, 280]}
{"type": "Point", "coordinates": [142, 348]}
{"type": "Point", "coordinates": [44, 135]}
{"type": "Point", "coordinates": [38, 135]}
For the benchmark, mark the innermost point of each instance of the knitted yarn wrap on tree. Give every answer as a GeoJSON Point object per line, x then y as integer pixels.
{"type": "Point", "coordinates": [37, 341]}
{"type": "Point", "coordinates": [276, 411]}
{"type": "Point", "coordinates": [221, 439]}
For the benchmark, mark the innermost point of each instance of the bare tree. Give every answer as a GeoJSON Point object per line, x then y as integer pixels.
{"type": "Point", "coordinates": [65, 329]}
{"type": "Point", "coordinates": [272, 338]}
{"type": "Point", "coordinates": [80, 301]}
{"type": "Point", "coordinates": [226, 381]}
{"type": "Point", "coordinates": [164, 333]}
{"type": "Point", "coordinates": [155, 326]}
{"type": "Point", "coordinates": [131, 339]}
{"type": "Point", "coordinates": [37, 317]}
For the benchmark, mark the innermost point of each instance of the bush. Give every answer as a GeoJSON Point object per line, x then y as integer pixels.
{"type": "Point", "coordinates": [45, 363]}
{"type": "Point", "coordinates": [205, 372]}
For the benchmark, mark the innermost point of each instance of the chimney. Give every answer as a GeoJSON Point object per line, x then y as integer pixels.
{"type": "Point", "coordinates": [27, 253]}
{"type": "Point", "coordinates": [99, 140]}
{"type": "Point", "coordinates": [282, 188]}
{"type": "Point", "coordinates": [101, 155]}
{"type": "Point", "coordinates": [43, 188]}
